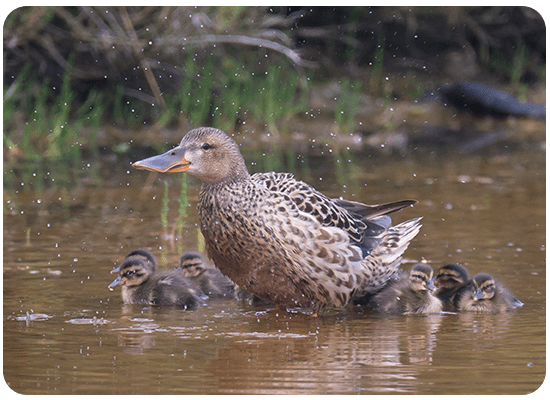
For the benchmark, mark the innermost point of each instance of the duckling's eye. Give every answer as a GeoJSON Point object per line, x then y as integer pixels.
{"type": "Point", "coordinates": [207, 146]}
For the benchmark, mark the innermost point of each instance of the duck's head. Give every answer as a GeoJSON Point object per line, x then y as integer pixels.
{"type": "Point", "coordinates": [485, 287]}
{"type": "Point", "coordinates": [451, 276]}
{"type": "Point", "coordinates": [139, 253]}
{"type": "Point", "coordinates": [207, 153]}
{"type": "Point", "coordinates": [191, 264]}
{"type": "Point", "coordinates": [421, 278]}
{"type": "Point", "coordinates": [134, 271]}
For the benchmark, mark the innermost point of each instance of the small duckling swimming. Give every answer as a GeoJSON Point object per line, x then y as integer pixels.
{"type": "Point", "coordinates": [409, 296]}
{"type": "Point", "coordinates": [142, 254]}
{"type": "Point", "coordinates": [210, 280]}
{"type": "Point", "coordinates": [142, 285]}
{"type": "Point", "coordinates": [484, 294]}
{"type": "Point", "coordinates": [449, 280]}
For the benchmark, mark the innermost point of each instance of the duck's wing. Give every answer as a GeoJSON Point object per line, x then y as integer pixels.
{"type": "Point", "coordinates": [364, 224]}
{"type": "Point", "coordinates": [360, 210]}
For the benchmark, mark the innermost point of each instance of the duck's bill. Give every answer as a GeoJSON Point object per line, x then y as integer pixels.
{"type": "Point", "coordinates": [115, 283]}
{"type": "Point", "coordinates": [171, 161]}
{"type": "Point", "coordinates": [478, 295]}
{"type": "Point", "coordinates": [116, 270]}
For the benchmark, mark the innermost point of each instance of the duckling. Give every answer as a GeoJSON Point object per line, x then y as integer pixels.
{"type": "Point", "coordinates": [484, 294]}
{"type": "Point", "coordinates": [142, 285]}
{"type": "Point", "coordinates": [449, 280]}
{"type": "Point", "coordinates": [142, 254]}
{"type": "Point", "coordinates": [281, 239]}
{"type": "Point", "coordinates": [409, 296]}
{"type": "Point", "coordinates": [210, 280]}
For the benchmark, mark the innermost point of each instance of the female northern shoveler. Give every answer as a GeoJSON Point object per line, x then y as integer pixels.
{"type": "Point", "coordinates": [409, 295]}
{"type": "Point", "coordinates": [281, 239]}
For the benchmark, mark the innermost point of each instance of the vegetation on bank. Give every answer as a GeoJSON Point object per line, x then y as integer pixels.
{"type": "Point", "coordinates": [69, 71]}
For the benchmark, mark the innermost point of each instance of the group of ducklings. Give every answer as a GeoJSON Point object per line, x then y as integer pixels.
{"type": "Point", "coordinates": [449, 290]}
{"type": "Point", "coordinates": [186, 286]}
{"type": "Point", "coordinates": [419, 292]}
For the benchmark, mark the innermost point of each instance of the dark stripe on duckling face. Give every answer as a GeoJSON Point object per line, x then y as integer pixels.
{"type": "Point", "coordinates": [451, 276]}
{"type": "Point", "coordinates": [141, 254]}
{"type": "Point", "coordinates": [191, 264]}
{"type": "Point", "coordinates": [133, 272]}
{"type": "Point", "coordinates": [485, 286]}
{"type": "Point", "coordinates": [421, 278]}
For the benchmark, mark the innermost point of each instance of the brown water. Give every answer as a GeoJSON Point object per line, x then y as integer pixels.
{"type": "Point", "coordinates": [66, 333]}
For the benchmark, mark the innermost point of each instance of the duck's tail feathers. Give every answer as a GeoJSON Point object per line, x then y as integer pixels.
{"type": "Point", "coordinates": [384, 261]}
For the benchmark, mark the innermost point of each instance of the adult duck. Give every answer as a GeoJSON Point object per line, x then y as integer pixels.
{"type": "Point", "coordinates": [278, 237]}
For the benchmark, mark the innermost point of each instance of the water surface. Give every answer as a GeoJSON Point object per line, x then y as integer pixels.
{"type": "Point", "coordinates": [66, 333]}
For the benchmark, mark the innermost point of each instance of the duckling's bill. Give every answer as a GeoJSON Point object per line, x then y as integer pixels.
{"type": "Point", "coordinates": [116, 282]}
{"type": "Point", "coordinates": [171, 161]}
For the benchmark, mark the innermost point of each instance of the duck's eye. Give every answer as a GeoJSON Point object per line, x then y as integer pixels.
{"type": "Point", "coordinates": [207, 146]}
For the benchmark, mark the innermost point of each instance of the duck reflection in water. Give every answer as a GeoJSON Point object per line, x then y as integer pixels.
{"type": "Point", "coordinates": [409, 295]}
{"type": "Point", "coordinates": [141, 284]}
{"type": "Point", "coordinates": [484, 294]}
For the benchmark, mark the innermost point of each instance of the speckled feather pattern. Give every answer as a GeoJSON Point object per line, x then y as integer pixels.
{"type": "Point", "coordinates": [289, 244]}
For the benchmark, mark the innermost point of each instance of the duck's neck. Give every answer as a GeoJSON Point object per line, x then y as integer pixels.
{"type": "Point", "coordinates": [237, 176]}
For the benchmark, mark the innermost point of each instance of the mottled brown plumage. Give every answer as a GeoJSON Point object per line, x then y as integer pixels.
{"type": "Point", "coordinates": [281, 239]}
{"type": "Point", "coordinates": [410, 294]}
{"type": "Point", "coordinates": [483, 294]}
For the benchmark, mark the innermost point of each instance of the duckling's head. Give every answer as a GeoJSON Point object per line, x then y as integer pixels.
{"type": "Point", "coordinates": [139, 253]}
{"type": "Point", "coordinates": [421, 278]}
{"type": "Point", "coordinates": [207, 153]}
{"type": "Point", "coordinates": [485, 287]}
{"type": "Point", "coordinates": [191, 264]}
{"type": "Point", "coordinates": [451, 276]}
{"type": "Point", "coordinates": [134, 271]}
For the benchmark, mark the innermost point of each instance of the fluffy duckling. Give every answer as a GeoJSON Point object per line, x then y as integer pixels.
{"type": "Point", "coordinates": [142, 285]}
{"type": "Point", "coordinates": [210, 280]}
{"type": "Point", "coordinates": [449, 280]}
{"type": "Point", "coordinates": [484, 294]}
{"type": "Point", "coordinates": [409, 296]}
{"type": "Point", "coordinates": [142, 254]}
